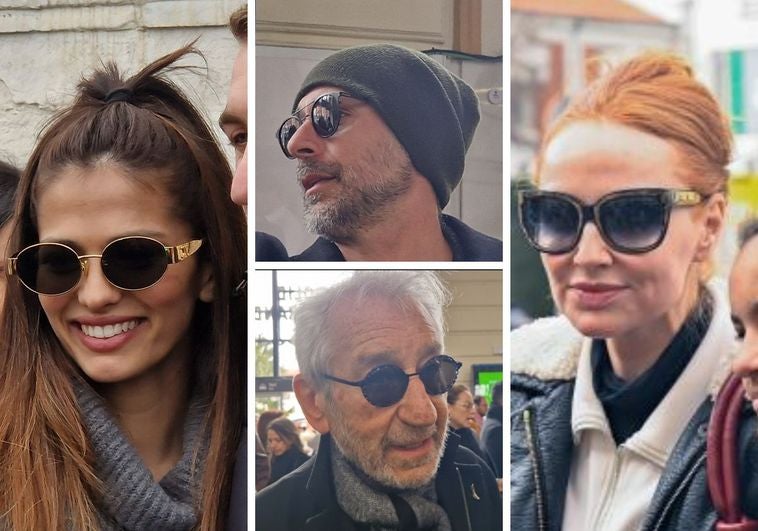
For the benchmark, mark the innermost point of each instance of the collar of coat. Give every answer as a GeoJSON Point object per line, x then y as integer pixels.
{"type": "Point", "coordinates": [549, 348]}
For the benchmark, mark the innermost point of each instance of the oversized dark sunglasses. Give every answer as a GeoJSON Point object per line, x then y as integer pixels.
{"type": "Point", "coordinates": [629, 221]}
{"type": "Point", "coordinates": [325, 114]}
{"type": "Point", "coordinates": [131, 263]}
{"type": "Point", "coordinates": [386, 384]}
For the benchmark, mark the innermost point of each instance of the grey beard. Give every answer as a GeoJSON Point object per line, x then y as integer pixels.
{"type": "Point", "coordinates": [340, 220]}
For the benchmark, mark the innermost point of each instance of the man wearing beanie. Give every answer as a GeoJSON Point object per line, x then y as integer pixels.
{"type": "Point", "coordinates": [380, 134]}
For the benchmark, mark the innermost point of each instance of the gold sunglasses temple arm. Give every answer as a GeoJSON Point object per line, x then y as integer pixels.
{"type": "Point", "coordinates": [183, 250]}
{"type": "Point", "coordinates": [10, 267]}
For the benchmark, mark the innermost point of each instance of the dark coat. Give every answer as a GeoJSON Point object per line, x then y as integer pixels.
{"type": "Point", "coordinates": [306, 499]}
{"type": "Point", "coordinates": [286, 463]}
{"type": "Point", "coordinates": [268, 248]}
{"type": "Point", "coordinates": [491, 439]}
{"type": "Point", "coordinates": [541, 449]}
{"type": "Point", "coordinates": [467, 244]}
{"type": "Point", "coordinates": [469, 440]}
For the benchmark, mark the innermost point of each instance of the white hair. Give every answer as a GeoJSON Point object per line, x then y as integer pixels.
{"type": "Point", "coordinates": [315, 330]}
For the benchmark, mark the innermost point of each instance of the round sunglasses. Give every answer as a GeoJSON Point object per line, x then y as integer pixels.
{"type": "Point", "coordinates": [385, 385]}
{"type": "Point", "coordinates": [131, 263]}
{"type": "Point", "coordinates": [325, 114]}
{"type": "Point", "coordinates": [629, 221]}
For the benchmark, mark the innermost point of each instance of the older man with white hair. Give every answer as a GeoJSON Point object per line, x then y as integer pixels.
{"type": "Point", "coordinates": [373, 381]}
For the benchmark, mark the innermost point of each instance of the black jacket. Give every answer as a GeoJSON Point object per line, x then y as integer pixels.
{"type": "Point", "coordinates": [286, 463]}
{"type": "Point", "coordinates": [491, 439]}
{"type": "Point", "coordinates": [306, 500]}
{"type": "Point", "coordinates": [541, 449]}
{"type": "Point", "coordinates": [268, 248]}
{"type": "Point", "coordinates": [467, 244]}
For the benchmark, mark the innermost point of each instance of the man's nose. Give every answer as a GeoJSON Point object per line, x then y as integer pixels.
{"type": "Point", "coordinates": [305, 142]}
{"type": "Point", "coordinates": [416, 407]}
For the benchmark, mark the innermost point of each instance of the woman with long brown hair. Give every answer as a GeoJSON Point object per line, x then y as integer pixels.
{"type": "Point", "coordinates": [610, 401]}
{"type": "Point", "coordinates": [123, 342]}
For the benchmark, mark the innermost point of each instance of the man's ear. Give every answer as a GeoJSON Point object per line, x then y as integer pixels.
{"type": "Point", "coordinates": [207, 284]}
{"type": "Point", "coordinates": [715, 211]}
{"type": "Point", "coordinates": [313, 403]}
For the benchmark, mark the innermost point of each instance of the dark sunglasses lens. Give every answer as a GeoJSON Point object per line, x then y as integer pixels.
{"type": "Point", "coordinates": [385, 385]}
{"type": "Point", "coordinates": [49, 269]}
{"type": "Point", "coordinates": [287, 131]}
{"type": "Point", "coordinates": [634, 223]}
{"type": "Point", "coordinates": [326, 115]}
{"type": "Point", "coordinates": [134, 263]}
{"type": "Point", "coordinates": [439, 375]}
{"type": "Point", "coordinates": [550, 223]}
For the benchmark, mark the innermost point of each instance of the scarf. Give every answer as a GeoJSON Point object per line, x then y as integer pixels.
{"type": "Point", "coordinates": [132, 500]}
{"type": "Point", "coordinates": [381, 508]}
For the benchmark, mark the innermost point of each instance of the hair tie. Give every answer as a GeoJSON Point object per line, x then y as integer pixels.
{"type": "Point", "coordinates": [119, 94]}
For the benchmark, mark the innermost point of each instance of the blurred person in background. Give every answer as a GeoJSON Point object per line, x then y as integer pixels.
{"type": "Point", "coordinates": [264, 420]}
{"type": "Point", "coordinates": [9, 177]}
{"type": "Point", "coordinates": [480, 410]}
{"type": "Point", "coordinates": [627, 209]}
{"type": "Point", "coordinates": [284, 447]}
{"type": "Point", "coordinates": [743, 289]}
{"type": "Point", "coordinates": [461, 413]}
{"type": "Point", "coordinates": [491, 438]}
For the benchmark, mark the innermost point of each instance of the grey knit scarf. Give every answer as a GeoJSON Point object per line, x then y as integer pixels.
{"type": "Point", "coordinates": [367, 502]}
{"type": "Point", "coordinates": [132, 499]}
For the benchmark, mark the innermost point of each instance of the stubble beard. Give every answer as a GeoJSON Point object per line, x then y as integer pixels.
{"type": "Point", "coordinates": [369, 456]}
{"type": "Point", "coordinates": [367, 193]}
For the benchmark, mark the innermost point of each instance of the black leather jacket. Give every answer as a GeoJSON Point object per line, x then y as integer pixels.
{"type": "Point", "coordinates": [541, 448]}
{"type": "Point", "coordinates": [305, 500]}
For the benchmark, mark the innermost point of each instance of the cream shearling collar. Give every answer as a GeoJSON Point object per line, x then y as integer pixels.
{"type": "Point", "coordinates": [549, 348]}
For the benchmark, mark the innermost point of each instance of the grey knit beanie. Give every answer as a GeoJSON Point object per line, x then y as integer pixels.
{"type": "Point", "coordinates": [432, 112]}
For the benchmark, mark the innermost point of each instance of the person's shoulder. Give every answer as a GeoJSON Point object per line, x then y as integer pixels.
{"type": "Point", "coordinates": [275, 503]}
{"type": "Point", "coordinates": [546, 349]}
{"type": "Point", "coordinates": [469, 244]}
{"type": "Point", "coordinates": [269, 248]}
{"type": "Point", "coordinates": [322, 250]}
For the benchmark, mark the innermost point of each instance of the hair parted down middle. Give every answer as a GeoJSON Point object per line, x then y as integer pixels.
{"type": "Point", "coordinates": [657, 93]}
{"type": "Point", "coordinates": [316, 331]}
{"type": "Point", "coordinates": [47, 479]}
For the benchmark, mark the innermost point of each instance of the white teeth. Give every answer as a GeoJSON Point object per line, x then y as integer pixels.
{"type": "Point", "coordinates": [103, 332]}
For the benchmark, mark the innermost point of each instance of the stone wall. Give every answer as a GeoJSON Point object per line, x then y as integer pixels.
{"type": "Point", "coordinates": [46, 46]}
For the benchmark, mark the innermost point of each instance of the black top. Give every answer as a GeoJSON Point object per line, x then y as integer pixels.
{"type": "Point", "coordinates": [467, 244]}
{"type": "Point", "coordinates": [286, 463]}
{"type": "Point", "coordinates": [268, 248]}
{"type": "Point", "coordinates": [628, 404]}
{"type": "Point", "coordinates": [491, 442]}
{"type": "Point", "coordinates": [468, 439]}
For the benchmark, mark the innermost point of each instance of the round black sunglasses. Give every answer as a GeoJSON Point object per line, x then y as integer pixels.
{"type": "Point", "coordinates": [131, 263]}
{"type": "Point", "coordinates": [385, 385]}
{"type": "Point", "coordinates": [325, 114]}
{"type": "Point", "coordinates": [629, 221]}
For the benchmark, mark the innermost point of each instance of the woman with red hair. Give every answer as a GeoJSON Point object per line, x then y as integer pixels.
{"type": "Point", "coordinates": [610, 401]}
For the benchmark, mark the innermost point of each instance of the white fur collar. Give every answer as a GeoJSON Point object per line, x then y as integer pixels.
{"type": "Point", "coordinates": [549, 348]}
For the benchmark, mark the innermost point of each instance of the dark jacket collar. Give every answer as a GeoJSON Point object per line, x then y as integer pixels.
{"type": "Point", "coordinates": [466, 243]}
{"type": "Point", "coordinates": [328, 516]}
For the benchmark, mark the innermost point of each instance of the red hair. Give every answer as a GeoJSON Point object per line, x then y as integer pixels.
{"type": "Point", "coordinates": [657, 93]}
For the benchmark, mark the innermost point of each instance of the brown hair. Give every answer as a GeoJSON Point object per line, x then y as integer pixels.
{"type": "Point", "coordinates": [47, 477]}
{"type": "Point", "coordinates": [9, 176]}
{"type": "Point", "coordinates": [657, 93]}
{"type": "Point", "coordinates": [264, 420]}
{"type": "Point", "coordinates": [455, 392]}
{"type": "Point", "coordinates": [287, 430]}
{"type": "Point", "coordinates": [238, 24]}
